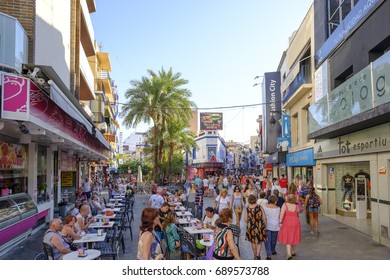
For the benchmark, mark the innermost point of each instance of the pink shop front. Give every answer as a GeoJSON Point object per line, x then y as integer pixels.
{"type": "Point", "coordinates": [39, 141]}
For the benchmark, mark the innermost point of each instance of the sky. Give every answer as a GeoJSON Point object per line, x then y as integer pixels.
{"type": "Point", "coordinates": [219, 46]}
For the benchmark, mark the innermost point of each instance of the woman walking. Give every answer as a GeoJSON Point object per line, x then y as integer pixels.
{"type": "Point", "coordinates": [290, 226]}
{"type": "Point", "coordinates": [222, 201]}
{"type": "Point", "coordinates": [238, 204]}
{"type": "Point", "coordinates": [312, 204]}
{"type": "Point", "coordinates": [255, 225]}
{"type": "Point", "coordinates": [272, 212]}
{"type": "Point", "coordinates": [225, 248]}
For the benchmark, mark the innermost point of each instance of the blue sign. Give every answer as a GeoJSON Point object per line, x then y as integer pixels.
{"type": "Point", "coordinates": [286, 124]}
{"type": "Point", "coordinates": [354, 17]}
{"type": "Point", "coordinates": [301, 158]}
{"type": "Point", "coordinates": [284, 143]}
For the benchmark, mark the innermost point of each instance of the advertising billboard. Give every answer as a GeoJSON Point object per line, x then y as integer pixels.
{"type": "Point", "coordinates": [211, 121]}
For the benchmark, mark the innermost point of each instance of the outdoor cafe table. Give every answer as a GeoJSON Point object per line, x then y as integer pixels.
{"type": "Point", "coordinates": [183, 221]}
{"type": "Point", "coordinates": [207, 243]}
{"type": "Point", "coordinates": [111, 209]}
{"type": "Point", "coordinates": [90, 239]}
{"type": "Point", "coordinates": [91, 254]}
{"type": "Point", "coordinates": [186, 213]}
{"type": "Point", "coordinates": [194, 230]}
{"type": "Point", "coordinates": [115, 205]}
{"type": "Point", "coordinates": [101, 225]}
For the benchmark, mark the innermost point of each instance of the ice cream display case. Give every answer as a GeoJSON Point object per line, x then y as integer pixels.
{"type": "Point", "coordinates": [18, 215]}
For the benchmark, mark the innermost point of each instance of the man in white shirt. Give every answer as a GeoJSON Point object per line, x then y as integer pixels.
{"type": "Point", "coordinates": [210, 218]}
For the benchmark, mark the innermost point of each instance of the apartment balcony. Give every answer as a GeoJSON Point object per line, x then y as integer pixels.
{"type": "Point", "coordinates": [87, 35]}
{"type": "Point", "coordinates": [86, 78]}
{"type": "Point", "coordinates": [360, 102]}
{"type": "Point", "coordinates": [13, 44]}
{"type": "Point", "coordinates": [301, 84]}
{"type": "Point", "coordinates": [104, 84]}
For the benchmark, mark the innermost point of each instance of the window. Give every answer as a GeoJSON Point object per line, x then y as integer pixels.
{"type": "Point", "coordinates": [337, 11]}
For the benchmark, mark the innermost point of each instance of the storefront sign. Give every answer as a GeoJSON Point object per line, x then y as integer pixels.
{"type": "Point", "coordinates": [301, 158]}
{"type": "Point", "coordinates": [321, 81]}
{"type": "Point", "coordinates": [382, 170]}
{"type": "Point", "coordinates": [14, 97]}
{"type": "Point", "coordinates": [12, 156]}
{"type": "Point", "coordinates": [354, 18]}
{"type": "Point", "coordinates": [371, 140]}
{"type": "Point", "coordinates": [276, 158]}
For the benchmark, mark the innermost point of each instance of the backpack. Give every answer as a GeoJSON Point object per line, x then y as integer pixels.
{"type": "Point", "coordinates": [314, 201]}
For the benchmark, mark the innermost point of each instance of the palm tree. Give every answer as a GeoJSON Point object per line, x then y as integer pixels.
{"type": "Point", "coordinates": [177, 140]}
{"type": "Point", "coordinates": [157, 98]}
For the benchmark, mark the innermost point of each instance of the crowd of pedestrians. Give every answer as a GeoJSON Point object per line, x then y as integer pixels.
{"type": "Point", "coordinates": [269, 207]}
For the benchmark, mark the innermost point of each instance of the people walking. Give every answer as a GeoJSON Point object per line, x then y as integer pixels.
{"type": "Point", "coordinates": [290, 226]}
{"type": "Point", "coordinates": [255, 226]}
{"type": "Point", "coordinates": [272, 212]}
{"type": "Point", "coordinates": [238, 204]}
{"type": "Point", "coordinates": [312, 204]}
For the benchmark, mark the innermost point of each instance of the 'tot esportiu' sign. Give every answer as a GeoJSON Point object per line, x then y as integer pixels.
{"type": "Point", "coordinates": [371, 140]}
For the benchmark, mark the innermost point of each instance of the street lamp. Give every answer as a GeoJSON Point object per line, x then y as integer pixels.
{"type": "Point", "coordinates": [258, 84]}
{"type": "Point", "coordinates": [273, 121]}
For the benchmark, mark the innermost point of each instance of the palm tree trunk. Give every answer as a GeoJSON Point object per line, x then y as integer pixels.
{"type": "Point", "coordinates": [169, 162]}
{"type": "Point", "coordinates": [155, 155]}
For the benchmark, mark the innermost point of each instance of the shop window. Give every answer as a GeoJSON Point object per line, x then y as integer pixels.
{"type": "Point", "coordinates": [42, 186]}
{"type": "Point", "coordinates": [343, 77]}
{"type": "Point", "coordinates": [379, 50]}
{"type": "Point", "coordinates": [294, 130]}
{"type": "Point", "coordinates": [13, 168]}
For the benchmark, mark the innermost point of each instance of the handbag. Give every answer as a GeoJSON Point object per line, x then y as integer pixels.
{"type": "Point", "coordinates": [300, 207]}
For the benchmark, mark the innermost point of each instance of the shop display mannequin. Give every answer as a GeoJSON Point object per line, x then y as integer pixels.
{"type": "Point", "coordinates": [347, 181]}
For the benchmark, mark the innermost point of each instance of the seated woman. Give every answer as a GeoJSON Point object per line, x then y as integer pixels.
{"type": "Point", "coordinates": [171, 231]}
{"type": "Point", "coordinates": [69, 231]}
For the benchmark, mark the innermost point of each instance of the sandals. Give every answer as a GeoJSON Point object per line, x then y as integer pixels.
{"type": "Point", "coordinates": [257, 258]}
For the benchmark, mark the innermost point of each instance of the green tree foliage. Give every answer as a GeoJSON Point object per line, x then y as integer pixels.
{"type": "Point", "coordinates": [157, 99]}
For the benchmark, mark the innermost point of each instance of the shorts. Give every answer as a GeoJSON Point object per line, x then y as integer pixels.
{"type": "Point", "coordinates": [313, 209]}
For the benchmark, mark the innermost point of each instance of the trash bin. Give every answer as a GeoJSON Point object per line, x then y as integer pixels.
{"type": "Point", "coordinates": [62, 209]}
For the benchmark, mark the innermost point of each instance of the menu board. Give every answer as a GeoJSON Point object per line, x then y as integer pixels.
{"type": "Point", "coordinates": [68, 179]}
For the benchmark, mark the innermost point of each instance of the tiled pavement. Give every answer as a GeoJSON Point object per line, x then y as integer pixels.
{"type": "Point", "coordinates": [335, 242]}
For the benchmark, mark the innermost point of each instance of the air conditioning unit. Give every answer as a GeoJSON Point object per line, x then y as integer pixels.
{"type": "Point", "coordinates": [102, 127]}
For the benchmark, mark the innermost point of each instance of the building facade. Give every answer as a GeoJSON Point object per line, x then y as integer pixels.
{"type": "Point", "coordinates": [350, 119]}
{"type": "Point", "coordinates": [48, 133]}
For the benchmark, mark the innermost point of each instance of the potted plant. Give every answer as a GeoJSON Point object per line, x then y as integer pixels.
{"type": "Point", "coordinates": [42, 187]}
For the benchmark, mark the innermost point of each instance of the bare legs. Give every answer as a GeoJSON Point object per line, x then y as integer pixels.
{"type": "Point", "coordinates": [313, 221]}
{"type": "Point", "coordinates": [290, 251]}
{"type": "Point", "coordinates": [256, 248]}
{"type": "Point", "coordinates": [238, 218]}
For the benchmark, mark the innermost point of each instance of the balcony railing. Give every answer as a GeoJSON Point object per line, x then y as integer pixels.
{"type": "Point", "coordinates": [365, 90]}
{"type": "Point", "coordinates": [303, 77]}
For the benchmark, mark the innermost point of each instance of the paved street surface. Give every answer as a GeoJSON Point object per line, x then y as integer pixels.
{"type": "Point", "coordinates": [335, 242]}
